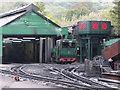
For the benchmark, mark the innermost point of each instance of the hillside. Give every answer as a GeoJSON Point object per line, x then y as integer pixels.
{"type": "Point", "coordinates": [68, 13]}
{"type": "Point", "coordinates": [71, 12]}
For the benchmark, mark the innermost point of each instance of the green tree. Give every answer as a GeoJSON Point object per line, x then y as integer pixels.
{"type": "Point", "coordinates": [84, 11]}
{"type": "Point", "coordinates": [89, 5]}
{"type": "Point", "coordinates": [20, 4]}
{"type": "Point", "coordinates": [69, 15]}
{"type": "Point", "coordinates": [41, 5]}
{"type": "Point", "coordinates": [116, 16]}
{"type": "Point", "coordinates": [8, 6]}
{"type": "Point", "coordinates": [44, 11]}
{"type": "Point", "coordinates": [76, 13]}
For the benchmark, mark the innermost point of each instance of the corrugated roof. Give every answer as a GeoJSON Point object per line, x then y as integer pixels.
{"type": "Point", "coordinates": [8, 19]}
{"type": "Point", "coordinates": [11, 16]}
{"type": "Point", "coordinates": [112, 41]}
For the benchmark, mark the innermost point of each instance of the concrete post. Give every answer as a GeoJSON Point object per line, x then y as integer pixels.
{"type": "Point", "coordinates": [46, 50]}
{"type": "Point", "coordinates": [40, 50]}
{"type": "Point", "coordinates": [88, 67]}
{"type": "Point", "coordinates": [49, 47]}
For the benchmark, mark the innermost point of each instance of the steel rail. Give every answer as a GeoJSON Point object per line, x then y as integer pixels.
{"type": "Point", "coordinates": [18, 70]}
{"type": "Point", "coordinates": [20, 73]}
{"type": "Point", "coordinates": [77, 78]}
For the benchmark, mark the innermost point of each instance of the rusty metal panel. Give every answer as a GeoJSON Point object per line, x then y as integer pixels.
{"type": "Point", "coordinates": [112, 50]}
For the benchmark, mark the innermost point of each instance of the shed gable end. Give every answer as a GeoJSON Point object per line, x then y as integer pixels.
{"type": "Point", "coordinates": [31, 23]}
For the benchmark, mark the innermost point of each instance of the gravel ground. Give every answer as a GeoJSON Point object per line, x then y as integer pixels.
{"type": "Point", "coordinates": [34, 69]}
{"type": "Point", "coordinates": [42, 70]}
{"type": "Point", "coordinates": [9, 82]}
{"type": "Point", "coordinates": [38, 69]}
{"type": "Point", "coordinates": [6, 66]}
{"type": "Point", "coordinates": [45, 69]}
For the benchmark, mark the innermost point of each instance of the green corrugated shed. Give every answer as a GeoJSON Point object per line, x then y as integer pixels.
{"type": "Point", "coordinates": [112, 41]}
{"type": "Point", "coordinates": [28, 21]}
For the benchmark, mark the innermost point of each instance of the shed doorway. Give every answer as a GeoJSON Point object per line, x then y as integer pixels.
{"type": "Point", "coordinates": [29, 50]}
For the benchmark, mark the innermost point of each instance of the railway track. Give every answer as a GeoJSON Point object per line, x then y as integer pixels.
{"type": "Point", "coordinates": [17, 71]}
{"type": "Point", "coordinates": [73, 82]}
{"type": "Point", "coordinates": [66, 73]}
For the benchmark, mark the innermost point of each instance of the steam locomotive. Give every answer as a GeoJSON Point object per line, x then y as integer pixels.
{"type": "Point", "coordinates": [65, 51]}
